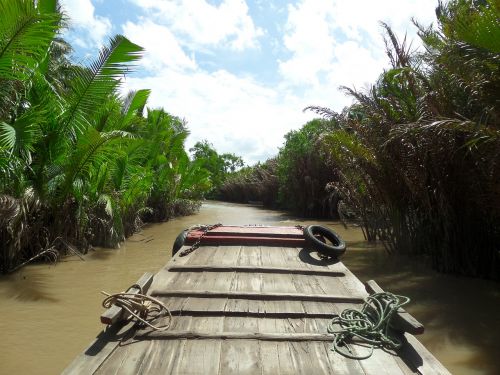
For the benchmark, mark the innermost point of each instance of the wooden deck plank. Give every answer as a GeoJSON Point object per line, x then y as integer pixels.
{"type": "Point", "coordinates": [273, 283]}
{"type": "Point", "coordinates": [202, 255]}
{"type": "Point", "coordinates": [290, 256]}
{"type": "Point", "coordinates": [240, 356]}
{"type": "Point", "coordinates": [423, 360]}
{"type": "Point", "coordinates": [202, 356]}
{"type": "Point", "coordinates": [337, 363]}
{"type": "Point", "coordinates": [250, 256]}
{"type": "Point", "coordinates": [300, 351]}
{"type": "Point", "coordinates": [274, 356]}
{"type": "Point", "coordinates": [253, 309]}
{"type": "Point", "coordinates": [215, 281]}
{"type": "Point", "coordinates": [256, 295]}
{"type": "Point", "coordinates": [228, 335]}
{"type": "Point", "coordinates": [170, 357]}
{"type": "Point", "coordinates": [163, 277]}
{"type": "Point", "coordinates": [342, 365]}
{"type": "Point", "coordinates": [117, 364]}
{"type": "Point", "coordinates": [163, 357]}
{"type": "Point", "coordinates": [147, 356]}
{"type": "Point", "coordinates": [98, 352]}
{"type": "Point", "coordinates": [227, 256]}
{"type": "Point", "coordinates": [269, 357]}
{"type": "Point", "coordinates": [380, 362]}
{"type": "Point", "coordinates": [254, 269]}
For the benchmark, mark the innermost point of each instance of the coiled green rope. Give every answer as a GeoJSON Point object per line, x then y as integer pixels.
{"type": "Point", "coordinates": [370, 325]}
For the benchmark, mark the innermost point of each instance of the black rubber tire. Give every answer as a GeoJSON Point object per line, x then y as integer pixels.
{"type": "Point", "coordinates": [336, 250]}
{"type": "Point", "coordinates": [179, 241]}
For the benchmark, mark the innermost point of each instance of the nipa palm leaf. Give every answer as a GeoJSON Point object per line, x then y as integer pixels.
{"type": "Point", "coordinates": [94, 84]}
{"type": "Point", "coordinates": [25, 36]}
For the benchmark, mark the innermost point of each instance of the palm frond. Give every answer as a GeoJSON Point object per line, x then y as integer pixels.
{"type": "Point", "coordinates": [90, 149]}
{"type": "Point", "coordinates": [92, 85]}
{"type": "Point", "coordinates": [25, 36]}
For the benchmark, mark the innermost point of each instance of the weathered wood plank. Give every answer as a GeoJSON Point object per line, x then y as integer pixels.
{"type": "Point", "coordinates": [337, 363]}
{"type": "Point", "coordinates": [402, 321]}
{"type": "Point", "coordinates": [269, 358]}
{"type": "Point", "coordinates": [163, 277]}
{"type": "Point", "coordinates": [341, 365]}
{"type": "Point", "coordinates": [128, 360]}
{"type": "Point", "coordinates": [117, 313]}
{"type": "Point", "coordinates": [252, 309]}
{"type": "Point", "coordinates": [275, 357]}
{"type": "Point", "coordinates": [300, 355]}
{"type": "Point", "coordinates": [202, 356]}
{"type": "Point", "coordinates": [290, 256]}
{"type": "Point", "coordinates": [380, 362]}
{"type": "Point", "coordinates": [202, 255]}
{"type": "Point", "coordinates": [238, 356]}
{"type": "Point", "coordinates": [246, 282]}
{"type": "Point", "coordinates": [277, 283]}
{"type": "Point", "coordinates": [417, 354]}
{"type": "Point", "coordinates": [104, 345]}
{"type": "Point", "coordinates": [250, 257]}
{"type": "Point", "coordinates": [274, 309]}
{"type": "Point", "coordinates": [257, 295]}
{"type": "Point", "coordinates": [196, 335]}
{"type": "Point", "coordinates": [254, 269]}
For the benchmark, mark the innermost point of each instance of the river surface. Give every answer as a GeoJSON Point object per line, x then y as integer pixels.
{"type": "Point", "coordinates": [50, 313]}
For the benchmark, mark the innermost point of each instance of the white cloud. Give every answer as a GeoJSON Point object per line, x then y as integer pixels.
{"type": "Point", "coordinates": [330, 43]}
{"type": "Point", "coordinates": [204, 24]}
{"type": "Point", "coordinates": [162, 49]}
{"type": "Point", "coordinates": [236, 114]}
{"type": "Point", "coordinates": [91, 28]}
{"type": "Point", "coordinates": [338, 42]}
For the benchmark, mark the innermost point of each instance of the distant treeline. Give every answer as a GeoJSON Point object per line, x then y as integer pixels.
{"type": "Point", "coordinates": [80, 165]}
{"type": "Point", "coordinates": [416, 159]}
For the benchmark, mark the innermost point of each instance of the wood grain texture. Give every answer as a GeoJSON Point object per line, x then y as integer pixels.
{"type": "Point", "coordinates": [251, 310]}
{"type": "Point", "coordinates": [257, 295]}
{"type": "Point", "coordinates": [254, 269]}
{"type": "Point", "coordinates": [197, 335]}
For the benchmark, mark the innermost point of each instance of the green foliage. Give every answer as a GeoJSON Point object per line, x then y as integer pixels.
{"type": "Point", "coordinates": [218, 166]}
{"type": "Point", "coordinates": [417, 155]}
{"type": "Point", "coordinates": [80, 165]}
{"type": "Point", "coordinates": [302, 173]}
{"type": "Point", "coordinates": [258, 183]}
{"type": "Point", "coordinates": [26, 32]}
{"type": "Point", "coordinates": [416, 159]}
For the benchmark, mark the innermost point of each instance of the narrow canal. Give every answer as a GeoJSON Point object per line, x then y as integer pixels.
{"type": "Point", "coordinates": [50, 313]}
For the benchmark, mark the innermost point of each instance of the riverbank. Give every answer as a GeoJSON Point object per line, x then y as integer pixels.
{"type": "Point", "coordinates": [51, 312]}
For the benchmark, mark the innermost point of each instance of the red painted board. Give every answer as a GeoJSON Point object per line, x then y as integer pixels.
{"type": "Point", "coordinates": [281, 231]}
{"type": "Point", "coordinates": [244, 240]}
{"type": "Point", "coordinates": [292, 232]}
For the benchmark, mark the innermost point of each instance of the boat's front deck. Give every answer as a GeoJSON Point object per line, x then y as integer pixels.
{"type": "Point", "coordinates": [249, 310]}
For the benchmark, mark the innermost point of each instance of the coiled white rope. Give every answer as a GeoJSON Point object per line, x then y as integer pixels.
{"type": "Point", "coordinates": [142, 308]}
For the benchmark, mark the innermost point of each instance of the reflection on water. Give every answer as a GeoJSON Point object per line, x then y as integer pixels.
{"type": "Point", "coordinates": [49, 314]}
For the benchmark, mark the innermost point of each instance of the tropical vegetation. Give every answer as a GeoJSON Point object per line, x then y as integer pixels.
{"type": "Point", "coordinates": [219, 166]}
{"type": "Point", "coordinates": [416, 158]}
{"type": "Point", "coordinates": [80, 163]}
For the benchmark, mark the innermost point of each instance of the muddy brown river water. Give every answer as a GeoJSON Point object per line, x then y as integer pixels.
{"type": "Point", "coordinates": [50, 313]}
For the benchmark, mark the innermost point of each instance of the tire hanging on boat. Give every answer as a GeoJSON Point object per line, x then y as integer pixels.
{"type": "Point", "coordinates": [337, 247]}
{"type": "Point", "coordinates": [179, 241]}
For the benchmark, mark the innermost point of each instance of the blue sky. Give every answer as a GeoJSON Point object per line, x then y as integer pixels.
{"type": "Point", "coordinates": [240, 72]}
